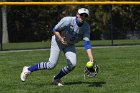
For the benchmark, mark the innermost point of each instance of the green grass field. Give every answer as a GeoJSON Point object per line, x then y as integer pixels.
{"type": "Point", "coordinates": [119, 72]}
{"type": "Point", "coordinates": [46, 44]}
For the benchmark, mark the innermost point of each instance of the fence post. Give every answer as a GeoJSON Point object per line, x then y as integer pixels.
{"type": "Point", "coordinates": [1, 29]}
{"type": "Point", "coordinates": [111, 28]}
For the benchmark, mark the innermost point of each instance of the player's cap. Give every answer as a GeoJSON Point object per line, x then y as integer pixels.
{"type": "Point", "coordinates": [83, 10]}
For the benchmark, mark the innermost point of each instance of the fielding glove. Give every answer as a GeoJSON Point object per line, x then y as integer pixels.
{"type": "Point", "coordinates": [92, 71]}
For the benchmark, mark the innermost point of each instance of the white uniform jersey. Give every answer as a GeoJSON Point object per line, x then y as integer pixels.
{"type": "Point", "coordinates": [69, 29]}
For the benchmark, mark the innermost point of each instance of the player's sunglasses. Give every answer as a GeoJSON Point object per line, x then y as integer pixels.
{"type": "Point", "coordinates": [83, 14]}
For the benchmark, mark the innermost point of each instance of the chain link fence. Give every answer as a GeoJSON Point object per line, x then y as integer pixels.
{"type": "Point", "coordinates": [30, 27]}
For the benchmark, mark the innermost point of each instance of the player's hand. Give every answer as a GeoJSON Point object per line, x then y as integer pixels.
{"type": "Point", "coordinates": [62, 40]}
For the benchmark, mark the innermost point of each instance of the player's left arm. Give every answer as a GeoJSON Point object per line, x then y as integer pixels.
{"type": "Point", "coordinates": [92, 71]}
{"type": "Point", "coordinates": [87, 44]}
{"type": "Point", "coordinates": [88, 48]}
{"type": "Point", "coordinates": [90, 55]}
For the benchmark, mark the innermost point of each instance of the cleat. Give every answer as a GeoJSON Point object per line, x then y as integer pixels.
{"type": "Point", "coordinates": [58, 82]}
{"type": "Point", "coordinates": [25, 73]}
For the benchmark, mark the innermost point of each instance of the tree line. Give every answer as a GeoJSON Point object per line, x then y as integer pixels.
{"type": "Point", "coordinates": [35, 23]}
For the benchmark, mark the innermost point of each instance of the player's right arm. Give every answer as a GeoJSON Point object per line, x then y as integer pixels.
{"type": "Point", "coordinates": [60, 38]}
{"type": "Point", "coordinates": [62, 24]}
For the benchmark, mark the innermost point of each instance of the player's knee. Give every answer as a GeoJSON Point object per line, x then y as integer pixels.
{"type": "Point", "coordinates": [50, 65]}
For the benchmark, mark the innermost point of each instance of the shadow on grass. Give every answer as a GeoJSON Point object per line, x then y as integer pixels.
{"type": "Point", "coordinates": [90, 84]}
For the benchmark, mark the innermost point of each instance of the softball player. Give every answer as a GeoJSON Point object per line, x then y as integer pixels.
{"type": "Point", "coordinates": [67, 32]}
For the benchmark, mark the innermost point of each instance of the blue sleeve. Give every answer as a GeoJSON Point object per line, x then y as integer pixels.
{"type": "Point", "coordinates": [54, 30]}
{"type": "Point", "coordinates": [87, 45]}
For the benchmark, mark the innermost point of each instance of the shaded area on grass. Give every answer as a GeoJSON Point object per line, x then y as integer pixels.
{"type": "Point", "coordinates": [90, 84]}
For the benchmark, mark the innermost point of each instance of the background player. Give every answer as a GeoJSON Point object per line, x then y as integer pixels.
{"type": "Point", "coordinates": [67, 32]}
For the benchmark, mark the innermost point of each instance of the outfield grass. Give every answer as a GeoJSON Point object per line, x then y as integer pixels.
{"type": "Point", "coordinates": [46, 44]}
{"type": "Point", "coordinates": [119, 72]}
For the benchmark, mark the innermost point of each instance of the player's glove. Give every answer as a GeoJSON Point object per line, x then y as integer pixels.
{"type": "Point", "coordinates": [91, 72]}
